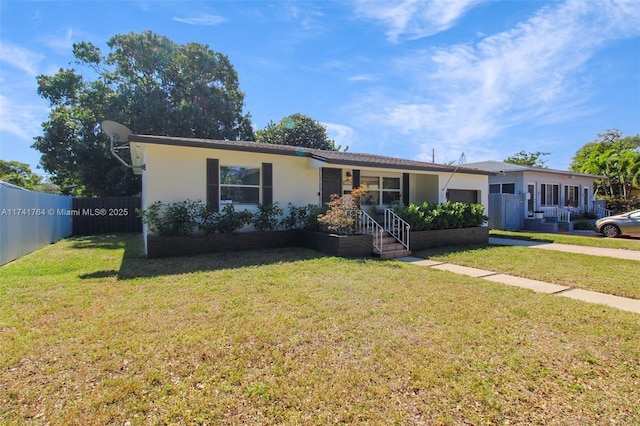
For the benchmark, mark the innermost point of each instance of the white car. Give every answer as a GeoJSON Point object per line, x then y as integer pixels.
{"type": "Point", "coordinates": [622, 224]}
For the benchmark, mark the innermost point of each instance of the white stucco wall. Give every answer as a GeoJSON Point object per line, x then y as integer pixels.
{"type": "Point", "coordinates": [462, 181]}
{"type": "Point", "coordinates": [176, 173]}
{"type": "Point", "coordinates": [423, 187]}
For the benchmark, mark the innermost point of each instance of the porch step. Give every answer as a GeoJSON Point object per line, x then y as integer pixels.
{"type": "Point", "coordinates": [565, 226]}
{"type": "Point", "coordinates": [391, 248]}
{"type": "Point", "coordinates": [392, 245]}
{"type": "Point", "coordinates": [393, 254]}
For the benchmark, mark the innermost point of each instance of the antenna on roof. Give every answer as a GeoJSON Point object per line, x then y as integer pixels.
{"type": "Point", "coordinates": [117, 133]}
{"type": "Point", "coordinates": [461, 160]}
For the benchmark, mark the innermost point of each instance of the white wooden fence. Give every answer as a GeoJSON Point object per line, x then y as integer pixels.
{"type": "Point", "coordinates": [30, 220]}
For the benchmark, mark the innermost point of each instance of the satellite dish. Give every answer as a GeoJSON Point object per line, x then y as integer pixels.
{"type": "Point", "coordinates": [117, 132]}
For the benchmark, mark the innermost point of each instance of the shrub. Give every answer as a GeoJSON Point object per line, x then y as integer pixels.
{"type": "Point", "coordinates": [151, 216]}
{"type": "Point", "coordinates": [313, 212]}
{"type": "Point", "coordinates": [414, 215]}
{"type": "Point", "coordinates": [302, 217]}
{"type": "Point", "coordinates": [442, 216]}
{"type": "Point", "coordinates": [267, 217]}
{"type": "Point", "coordinates": [585, 215]}
{"type": "Point", "coordinates": [230, 220]}
{"type": "Point", "coordinates": [208, 220]}
{"type": "Point", "coordinates": [622, 205]}
{"type": "Point", "coordinates": [179, 218]}
{"type": "Point", "coordinates": [583, 225]}
{"type": "Point", "coordinates": [339, 218]}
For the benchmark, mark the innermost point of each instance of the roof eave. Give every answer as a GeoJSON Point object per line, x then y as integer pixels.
{"type": "Point", "coordinates": [293, 151]}
{"type": "Point", "coordinates": [214, 144]}
{"type": "Point", "coordinates": [372, 164]}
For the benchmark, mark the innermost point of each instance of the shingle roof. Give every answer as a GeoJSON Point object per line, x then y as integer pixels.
{"type": "Point", "coordinates": [499, 166]}
{"type": "Point", "coordinates": [330, 157]}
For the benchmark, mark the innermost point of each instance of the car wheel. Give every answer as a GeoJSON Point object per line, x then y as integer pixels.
{"type": "Point", "coordinates": [610, 231]}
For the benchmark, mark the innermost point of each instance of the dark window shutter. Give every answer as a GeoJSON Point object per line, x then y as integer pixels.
{"type": "Point", "coordinates": [405, 188]}
{"type": "Point", "coordinates": [213, 184]}
{"type": "Point", "coordinates": [267, 184]}
{"type": "Point", "coordinates": [355, 179]}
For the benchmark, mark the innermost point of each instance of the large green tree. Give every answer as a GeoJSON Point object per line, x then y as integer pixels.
{"type": "Point", "coordinates": [297, 130]}
{"type": "Point", "coordinates": [612, 156]}
{"type": "Point", "coordinates": [19, 174]}
{"type": "Point", "coordinates": [528, 159]}
{"type": "Point", "coordinates": [146, 82]}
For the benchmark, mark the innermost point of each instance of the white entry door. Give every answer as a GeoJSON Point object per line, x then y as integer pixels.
{"type": "Point", "coordinates": [531, 199]}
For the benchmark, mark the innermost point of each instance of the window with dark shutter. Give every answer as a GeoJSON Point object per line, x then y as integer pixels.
{"type": "Point", "coordinates": [267, 184]}
{"type": "Point", "coordinates": [213, 184]}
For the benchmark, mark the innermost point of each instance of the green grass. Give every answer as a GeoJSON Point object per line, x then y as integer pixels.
{"type": "Point", "coordinates": [602, 274]}
{"type": "Point", "coordinates": [589, 239]}
{"type": "Point", "coordinates": [92, 334]}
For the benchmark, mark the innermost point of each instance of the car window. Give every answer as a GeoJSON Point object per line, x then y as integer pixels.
{"type": "Point", "coordinates": [635, 215]}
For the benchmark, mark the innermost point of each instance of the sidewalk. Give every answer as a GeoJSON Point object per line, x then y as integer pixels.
{"type": "Point", "coordinates": [594, 251]}
{"type": "Point", "coordinates": [623, 303]}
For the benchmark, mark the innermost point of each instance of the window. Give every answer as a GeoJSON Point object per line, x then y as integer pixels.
{"type": "Point", "coordinates": [380, 190]}
{"type": "Point", "coordinates": [502, 188]}
{"type": "Point", "coordinates": [239, 185]}
{"type": "Point", "coordinates": [571, 196]}
{"type": "Point", "coordinates": [468, 196]}
{"type": "Point", "coordinates": [549, 194]}
{"type": "Point", "coordinates": [390, 190]}
{"type": "Point", "coordinates": [508, 188]}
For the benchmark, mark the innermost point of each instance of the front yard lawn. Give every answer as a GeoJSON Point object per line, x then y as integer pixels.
{"type": "Point", "coordinates": [92, 334]}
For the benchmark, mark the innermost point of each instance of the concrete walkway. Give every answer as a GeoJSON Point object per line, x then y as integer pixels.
{"type": "Point", "coordinates": [626, 304]}
{"type": "Point", "coordinates": [594, 251]}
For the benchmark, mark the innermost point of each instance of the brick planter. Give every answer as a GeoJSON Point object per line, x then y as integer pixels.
{"type": "Point", "coordinates": [420, 240]}
{"type": "Point", "coordinates": [181, 245]}
{"type": "Point", "coordinates": [338, 245]}
{"type": "Point", "coordinates": [185, 245]}
{"type": "Point", "coordinates": [331, 244]}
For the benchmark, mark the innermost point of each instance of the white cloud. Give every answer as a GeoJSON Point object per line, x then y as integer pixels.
{"type": "Point", "coordinates": [22, 121]}
{"type": "Point", "coordinates": [20, 57]}
{"type": "Point", "coordinates": [466, 93]}
{"type": "Point", "coordinates": [414, 18]}
{"type": "Point", "coordinates": [363, 77]}
{"type": "Point", "coordinates": [206, 19]}
{"type": "Point", "coordinates": [341, 134]}
{"type": "Point", "coordinates": [61, 42]}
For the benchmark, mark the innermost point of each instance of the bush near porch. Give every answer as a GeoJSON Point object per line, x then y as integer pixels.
{"type": "Point", "coordinates": [430, 216]}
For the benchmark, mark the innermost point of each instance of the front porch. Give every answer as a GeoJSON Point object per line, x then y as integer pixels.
{"type": "Point", "coordinates": [556, 219]}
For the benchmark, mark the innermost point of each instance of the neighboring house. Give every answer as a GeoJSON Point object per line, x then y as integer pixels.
{"type": "Point", "coordinates": [517, 192]}
{"type": "Point", "coordinates": [249, 173]}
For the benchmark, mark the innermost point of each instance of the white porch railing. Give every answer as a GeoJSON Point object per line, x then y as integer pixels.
{"type": "Point", "coordinates": [397, 227]}
{"type": "Point", "coordinates": [562, 214]}
{"type": "Point", "coordinates": [601, 212]}
{"type": "Point", "coordinates": [394, 226]}
{"type": "Point", "coordinates": [365, 224]}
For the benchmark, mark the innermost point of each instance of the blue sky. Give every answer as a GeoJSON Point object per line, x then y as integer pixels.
{"type": "Point", "coordinates": [403, 78]}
